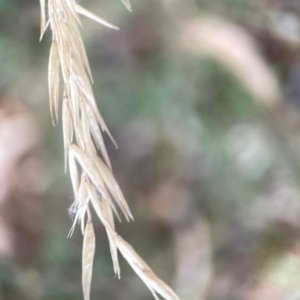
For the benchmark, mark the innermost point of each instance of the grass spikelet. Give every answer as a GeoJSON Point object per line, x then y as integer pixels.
{"type": "Point", "coordinates": [92, 179]}
{"type": "Point", "coordinates": [88, 251]}
{"type": "Point", "coordinates": [67, 129]}
{"type": "Point", "coordinates": [53, 81]}
{"type": "Point", "coordinates": [73, 173]}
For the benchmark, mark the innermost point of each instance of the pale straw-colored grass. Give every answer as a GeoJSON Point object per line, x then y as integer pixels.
{"type": "Point", "coordinates": [92, 179]}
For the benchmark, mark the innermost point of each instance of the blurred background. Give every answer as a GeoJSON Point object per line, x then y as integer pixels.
{"type": "Point", "coordinates": [203, 99]}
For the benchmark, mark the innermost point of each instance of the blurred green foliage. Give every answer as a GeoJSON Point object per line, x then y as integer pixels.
{"type": "Point", "coordinates": [139, 80]}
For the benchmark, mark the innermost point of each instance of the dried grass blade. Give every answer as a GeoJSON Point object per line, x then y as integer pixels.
{"type": "Point", "coordinates": [89, 168]}
{"type": "Point", "coordinates": [43, 17]}
{"type": "Point", "coordinates": [73, 226]}
{"type": "Point", "coordinates": [74, 97]}
{"type": "Point", "coordinates": [108, 215]}
{"type": "Point", "coordinates": [88, 251]}
{"type": "Point", "coordinates": [67, 129]}
{"type": "Point", "coordinates": [110, 201]}
{"type": "Point", "coordinates": [104, 127]}
{"type": "Point", "coordinates": [127, 4]}
{"type": "Point", "coordinates": [94, 17]}
{"type": "Point", "coordinates": [46, 27]}
{"type": "Point", "coordinates": [53, 81]}
{"type": "Point", "coordinates": [71, 5]}
{"type": "Point", "coordinates": [105, 197]}
{"type": "Point", "coordinates": [82, 220]}
{"type": "Point", "coordinates": [113, 187]}
{"type": "Point", "coordinates": [144, 271]}
{"type": "Point", "coordinates": [80, 77]}
{"type": "Point", "coordinates": [80, 138]}
{"type": "Point", "coordinates": [89, 147]}
{"type": "Point", "coordinates": [101, 209]}
{"type": "Point", "coordinates": [92, 109]}
{"type": "Point", "coordinates": [76, 207]}
{"type": "Point", "coordinates": [96, 204]}
{"type": "Point", "coordinates": [77, 45]}
{"type": "Point", "coordinates": [73, 173]}
{"type": "Point", "coordinates": [95, 130]}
